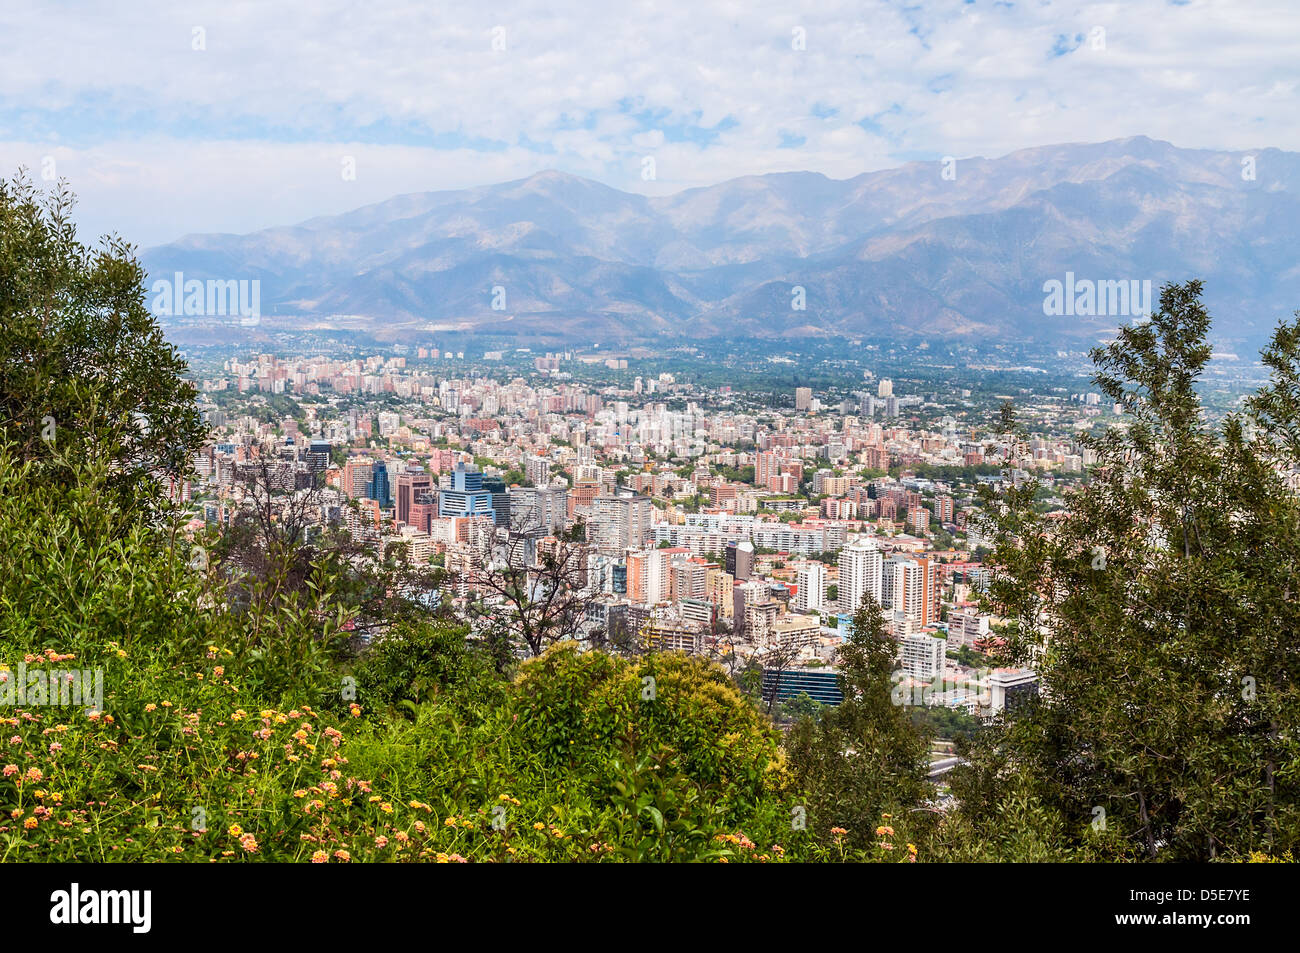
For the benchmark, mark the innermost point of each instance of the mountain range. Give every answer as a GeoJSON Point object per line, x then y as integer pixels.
{"type": "Point", "coordinates": [958, 249]}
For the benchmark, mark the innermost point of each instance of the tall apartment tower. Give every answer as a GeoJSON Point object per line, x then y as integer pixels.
{"type": "Point", "coordinates": [943, 508]}
{"type": "Point", "coordinates": [802, 398]}
{"type": "Point", "coordinates": [745, 597]}
{"type": "Point", "coordinates": [688, 580]}
{"type": "Point", "coordinates": [409, 486]}
{"type": "Point", "coordinates": [766, 465]}
{"type": "Point", "coordinates": [739, 560]}
{"type": "Point", "coordinates": [910, 588]}
{"type": "Point", "coordinates": [537, 470]}
{"type": "Point", "coordinates": [647, 576]}
{"type": "Point", "coordinates": [812, 587]}
{"type": "Point", "coordinates": [544, 507]}
{"type": "Point", "coordinates": [357, 477]}
{"type": "Point", "coordinates": [860, 574]}
{"type": "Point", "coordinates": [620, 523]}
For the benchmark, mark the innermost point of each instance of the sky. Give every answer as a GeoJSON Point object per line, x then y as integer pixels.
{"type": "Point", "coordinates": [170, 117]}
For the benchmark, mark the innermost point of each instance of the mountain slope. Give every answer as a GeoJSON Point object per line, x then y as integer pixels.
{"type": "Point", "coordinates": [906, 252]}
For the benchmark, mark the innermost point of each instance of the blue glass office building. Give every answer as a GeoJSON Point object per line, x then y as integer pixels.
{"type": "Point", "coordinates": [821, 685]}
{"type": "Point", "coordinates": [467, 497]}
{"type": "Point", "coordinates": [377, 488]}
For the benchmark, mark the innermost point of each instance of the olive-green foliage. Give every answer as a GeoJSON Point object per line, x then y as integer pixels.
{"type": "Point", "coordinates": [1161, 611]}
{"type": "Point", "coordinates": [575, 708]}
{"type": "Point", "coordinates": [421, 662]}
{"type": "Point", "coordinates": [863, 758]}
{"type": "Point", "coordinates": [83, 363]}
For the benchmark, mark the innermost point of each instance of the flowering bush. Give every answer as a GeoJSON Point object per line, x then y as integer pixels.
{"type": "Point", "coordinates": [197, 750]}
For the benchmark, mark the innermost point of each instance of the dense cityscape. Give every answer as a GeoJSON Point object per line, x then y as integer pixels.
{"type": "Point", "coordinates": [706, 525]}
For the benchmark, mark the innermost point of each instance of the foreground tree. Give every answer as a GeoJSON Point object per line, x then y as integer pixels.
{"type": "Point", "coordinates": [1160, 610]}
{"type": "Point", "coordinates": [863, 758]}
{"type": "Point", "coordinates": [83, 363]}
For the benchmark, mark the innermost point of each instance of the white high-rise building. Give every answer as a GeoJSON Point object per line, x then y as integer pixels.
{"type": "Point", "coordinates": [537, 470]}
{"type": "Point", "coordinates": [922, 656]}
{"type": "Point", "coordinates": [811, 596]}
{"type": "Point", "coordinates": [886, 388]}
{"type": "Point", "coordinates": [656, 576]}
{"type": "Point", "coordinates": [861, 567]}
{"type": "Point", "coordinates": [966, 628]}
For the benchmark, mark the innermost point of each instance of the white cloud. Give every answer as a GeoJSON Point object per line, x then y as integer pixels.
{"type": "Point", "coordinates": [159, 138]}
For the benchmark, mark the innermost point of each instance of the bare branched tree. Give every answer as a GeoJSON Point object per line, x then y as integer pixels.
{"type": "Point", "coordinates": [280, 532]}
{"type": "Point", "coordinates": [534, 586]}
{"type": "Point", "coordinates": [722, 646]}
{"type": "Point", "coordinates": [617, 636]}
{"type": "Point", "coordinates": [275, 507]}
{"type": "Point", "coordinates": [777, 658]}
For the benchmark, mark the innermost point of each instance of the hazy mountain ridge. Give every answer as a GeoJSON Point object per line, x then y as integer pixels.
{"type": "Point", "coordinates": [902, 251]}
